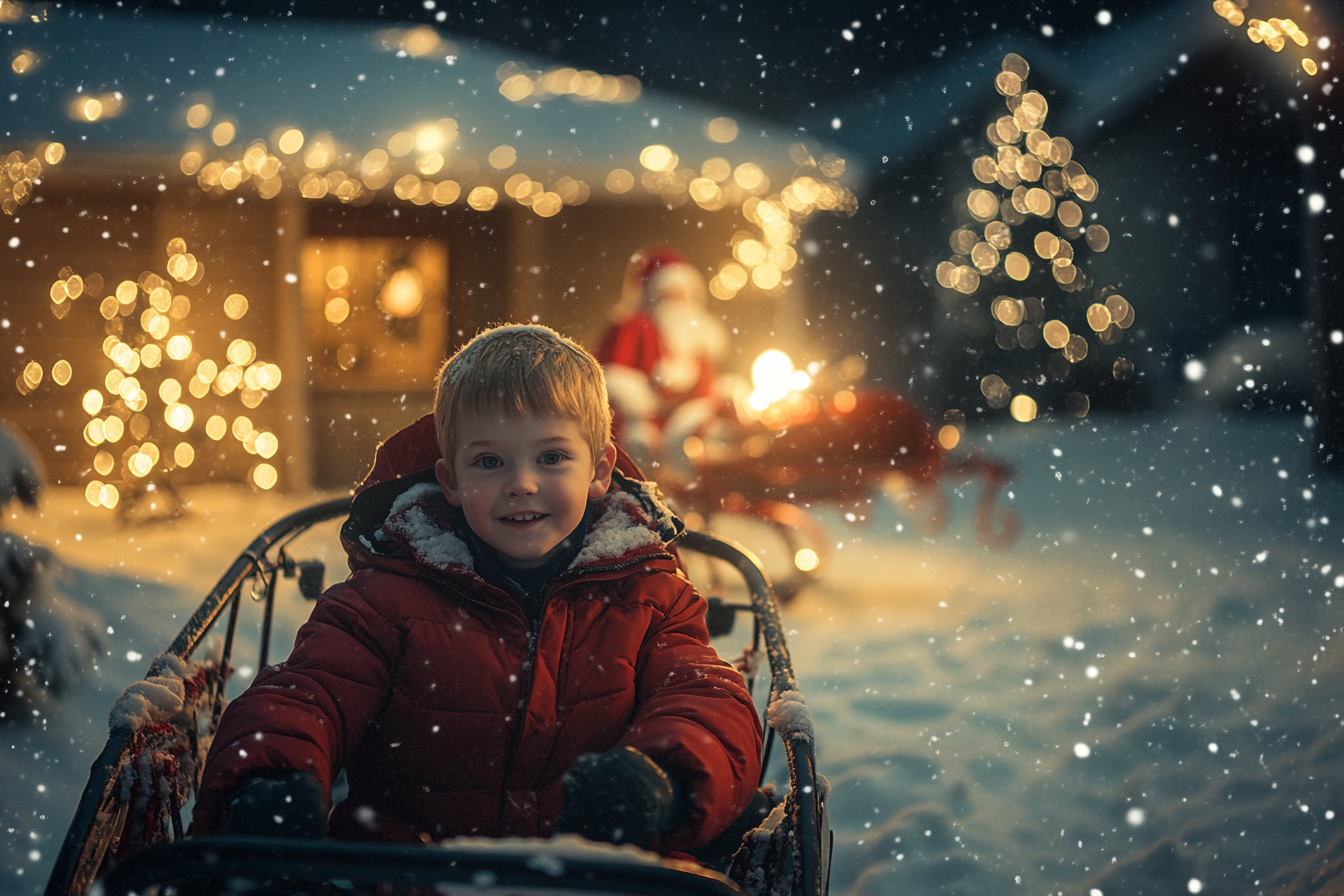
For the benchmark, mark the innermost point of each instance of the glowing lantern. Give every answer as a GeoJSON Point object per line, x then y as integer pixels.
{"type": "Point", "coordinates": [403, 294]}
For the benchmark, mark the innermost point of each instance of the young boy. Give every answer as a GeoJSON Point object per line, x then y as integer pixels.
{"type": "Point", "coordinates": [515, 651]}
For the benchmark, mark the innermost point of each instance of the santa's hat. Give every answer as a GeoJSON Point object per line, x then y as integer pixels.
{"type": "Point", "coordinates": [651, 268]}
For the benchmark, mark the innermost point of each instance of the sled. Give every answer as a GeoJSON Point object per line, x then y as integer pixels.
{"type": "Point", "coordinates": [128, 831]}
{"type": "Point", "coordinates": [810, 451]}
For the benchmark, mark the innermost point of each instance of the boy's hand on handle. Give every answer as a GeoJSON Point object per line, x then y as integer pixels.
{"type": "Point", "coordinates": [621, 796]}
{"type": "Point", "coordinates": [291, 806]}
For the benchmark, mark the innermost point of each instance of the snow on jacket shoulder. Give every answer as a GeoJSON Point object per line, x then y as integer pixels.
{"type": "Point", "coordinates": [451, 717]}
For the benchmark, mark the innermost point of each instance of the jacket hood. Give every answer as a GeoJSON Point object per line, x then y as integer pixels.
{"type": "Point", "coordinates": [400, 519]}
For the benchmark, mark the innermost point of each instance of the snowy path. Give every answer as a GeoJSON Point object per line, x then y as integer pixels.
{"type": "Point", "coordinates": [1141, 696]}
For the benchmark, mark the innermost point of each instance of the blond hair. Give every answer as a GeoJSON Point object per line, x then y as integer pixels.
{"type": "Point", "coordinates": [520, 370]}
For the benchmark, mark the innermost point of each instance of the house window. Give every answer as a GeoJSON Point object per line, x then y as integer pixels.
{"type": "Point", "coordinates": [376, 312]}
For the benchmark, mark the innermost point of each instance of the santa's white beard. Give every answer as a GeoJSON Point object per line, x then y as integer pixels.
{"type": "Point", "coordinates": [690, 333]}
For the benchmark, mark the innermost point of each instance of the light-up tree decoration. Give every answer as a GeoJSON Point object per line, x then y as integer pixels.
{"type": "Point", "coordinates": [1020, 256]}
{"type": "Point", "coordinates": [142, 424]}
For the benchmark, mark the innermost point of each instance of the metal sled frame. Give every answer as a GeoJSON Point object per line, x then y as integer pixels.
{"type": "Point", "coordinates": [101, 812]}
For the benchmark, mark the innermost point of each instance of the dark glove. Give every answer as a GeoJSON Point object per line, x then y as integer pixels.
{"type": "Point", "coordinates": [291, 806]}
{"type": "Point", "coordinates": [620, 796]}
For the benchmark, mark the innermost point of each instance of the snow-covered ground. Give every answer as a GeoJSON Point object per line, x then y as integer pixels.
{"type": "Point", "coordinates": [1141, 696]}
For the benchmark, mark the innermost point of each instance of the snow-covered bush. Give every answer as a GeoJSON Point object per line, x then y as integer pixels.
{"type": "Point", "coordinates": [49, 640]}
{"type": "Point", "coordinates": [46, 639]}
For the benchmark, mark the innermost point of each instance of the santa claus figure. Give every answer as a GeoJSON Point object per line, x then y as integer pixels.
{"type": "Point", "coordinates": [660, 354]}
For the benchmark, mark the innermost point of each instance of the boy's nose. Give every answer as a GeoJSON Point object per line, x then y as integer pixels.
{"type": "Point", "coordinates": [522, 482]}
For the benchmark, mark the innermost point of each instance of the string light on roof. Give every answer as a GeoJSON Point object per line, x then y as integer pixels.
{"type": "Point", "coordinates": [1274, 33]}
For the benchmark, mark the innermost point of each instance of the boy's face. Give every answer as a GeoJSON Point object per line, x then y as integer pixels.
{"type": "Point", "coordinates": [523, 484]}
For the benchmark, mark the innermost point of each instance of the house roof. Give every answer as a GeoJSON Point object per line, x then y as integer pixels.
{"type": "Point", "coordinates": [356, 82]}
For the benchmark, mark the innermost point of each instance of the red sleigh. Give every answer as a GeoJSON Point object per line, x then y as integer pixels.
{"type": "Point", "coordinates": [803, 450]}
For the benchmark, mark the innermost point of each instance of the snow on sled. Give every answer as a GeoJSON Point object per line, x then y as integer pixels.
{"type": "Point", "coordinates": [128, 833]}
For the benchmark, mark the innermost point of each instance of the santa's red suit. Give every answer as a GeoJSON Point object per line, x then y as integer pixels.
{"type": "Point", "coordinates": [660, 353]}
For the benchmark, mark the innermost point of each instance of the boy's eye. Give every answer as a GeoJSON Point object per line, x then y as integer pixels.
{"type": "Point", "coordinates": [552, 457]}
{"type": "Point", "coordinates": [489, 462]}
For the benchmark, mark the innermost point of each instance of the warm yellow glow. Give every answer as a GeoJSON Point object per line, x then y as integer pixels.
{"type": "Point", "coordinates": [336, 310]}
{"type": "Point", "coordinates": [266, 444]}
{"type": "Point", "coordinates": [32, 374]}
{"type": "Point", "coordinates": [235, 306]}
{"type": "Point", "coordinates": [767, 276]}
{"type": "Point", "coordinates": [198, 116]}
{"type": "Point", "coordinates": [749, 176]}
{"type": "Point", "coordinates": [722, 130]}
{"type": "Point", "coordinates": [806, 560]}
{"type": "Point", "coordinates": [318, 156]}
{"type": "Point", "coordinates": [140, 464]}
{"type": "Point", "coordinates": [54, 153]}
{"type": "Point", "coordinates": [223, 133]}
{"type": "Point", "coordinates": [845, 401]}
{"type": "Point", "coordinates": [179, 347]}
{"type": "Point", "coordinates": [337, 277]}
{"type": "Point", "coordinates": [241, 427]}
{"type": "Point", "coordinates": [264, 476]}
{"type": "Point", "coordinates": [446, 192]}
{"type": "Point", "coordinates": [620, 181]}
{"type": "Point", "coordinates": [123, 356]}
{"type": "Point", "coordinates": [108, 496]}
{"type": "Point", "coordinates": [516, 87]}
{"type": "Point", "coordinates": [1023, 408]}
{"type": "Point", "coordinates": [268, 376]}
{"type": "Point", "coordinates": [770, 374]}
{"type": "Point", "coordinates": [184, 455]}
{"type": "Point", "coordinates": [151, 355]}
{"type": "Point", "coordinates": [658, 157]}
{"type": "Point", "coordinates": [103, 463]}
{"type": "Point", "coordinates": [60, 372]}
{"type": "Point", "coordinates": [290, 142]}
{"type": "Point", "coordinates": [24, 61]}
{"type": "Point", "coordinates": [240, 352]}
{"type": "Point", "coordinates": [482, 199]}
{"type": "Point", "coordinates": [92, 490]}
{"type": "Point", "coordinates": [1055, 333]}
{"type": "Point", "coordinates": [170, 390]}
{"type": "Point", "coordinates": [93, 432]}
{"type": "Point", "coordinates": [179, 417]}
{"type": "Point", "coordinates": [716, 169]}
{"type": "Point", "coordinates": [215, 427]}
{"type": "Point", "coordinates": [113, 429]}
{"type": "Point", "coordinates": [500, 157]}
{"type": "Point", "coordinates": [228, 380]}
{"type": "Point", "coordinates": [403, 295]}
{"type": "Point", "coordinates": [431, 163]}
{"type": "Point", "coordinates": [401, 143]}
{"type": "Point", "coordinates": [733, 276]}
{"type": "Point", "coordinates": [92, 402]}
{"type": "Point", "coordinates": [949, 437]}
{"type": "Point", "coordinates": [90, 109]}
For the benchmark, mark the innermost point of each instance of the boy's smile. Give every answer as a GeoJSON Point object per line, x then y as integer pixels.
{"type": "Point", "coordinates": [523, 483]}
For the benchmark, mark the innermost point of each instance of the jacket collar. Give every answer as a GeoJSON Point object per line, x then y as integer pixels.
{"type": "Point", "coordinates": [409, 519]}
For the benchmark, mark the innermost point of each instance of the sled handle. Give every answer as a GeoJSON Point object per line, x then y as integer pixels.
{"type": "Point", "coordinates": [248, 563]}
{"type": "Point", "coordinates": [804, 786]}
{"type": "Point", "coordinates": [82, 852]}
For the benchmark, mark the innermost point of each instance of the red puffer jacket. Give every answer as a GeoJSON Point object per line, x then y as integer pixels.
{"type": "Point", "coordinates": [451, 717]}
